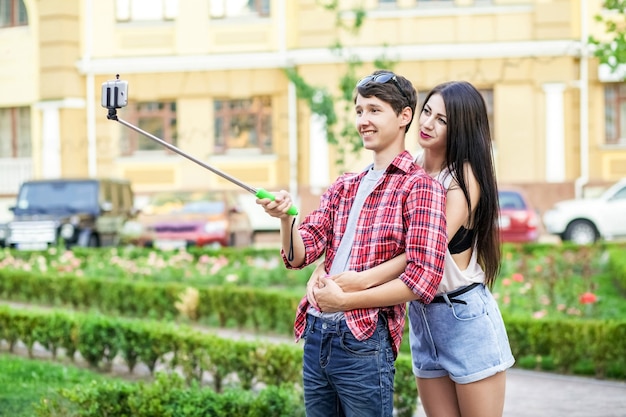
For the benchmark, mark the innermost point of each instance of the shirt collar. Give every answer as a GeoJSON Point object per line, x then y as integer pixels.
{"type": "Point", "coordinates": [403, 161]}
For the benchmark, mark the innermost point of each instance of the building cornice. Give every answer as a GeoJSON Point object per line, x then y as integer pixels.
{"type": "Point", "coordinates": [297, 57]}
{"type": "Point", "coordinates": [65, 103]}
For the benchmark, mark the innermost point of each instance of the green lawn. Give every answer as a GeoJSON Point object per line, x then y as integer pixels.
{"type": "Point", "coordinates": [23, 382]}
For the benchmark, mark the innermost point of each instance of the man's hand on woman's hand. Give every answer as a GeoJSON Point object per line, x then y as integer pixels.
{"type": "Point", "coordinates": [331, 289]}
{"type": "Point", "coordinates": [329, 296]}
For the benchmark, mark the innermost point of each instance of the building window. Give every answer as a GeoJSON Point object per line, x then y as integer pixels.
{"type": "Point", "coordinates": [15, 139]}
{"type": "Point", "coordinates": [615, 113]}
{"type": "Point", "coordinates": [220, 9]}
{"type": "Point", "coordinates": [243, 125]}
{"type": "Point", "coordinates": [12, 13]}
{"type": "Point", "coordinates": [156, 118]}
{"type": "Point", "coordinates": [146, 10]}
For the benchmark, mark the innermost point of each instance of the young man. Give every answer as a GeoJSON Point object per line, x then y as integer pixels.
{"type": "Point", "coordinates": [364, 219]}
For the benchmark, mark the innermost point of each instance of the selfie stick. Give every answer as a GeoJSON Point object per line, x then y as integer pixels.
{"type": "Point", "coordinates": [114, 97]}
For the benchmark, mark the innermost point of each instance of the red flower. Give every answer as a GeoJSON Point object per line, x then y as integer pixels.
{"type": "Point", "coordinates": [588, 298]}
{"type": "Point", "coordinates": [517, 277]}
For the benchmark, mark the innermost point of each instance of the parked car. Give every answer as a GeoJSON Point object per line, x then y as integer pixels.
{"type": "Point", "coordinates": [182, 219]}
{"type": "Point", "coordinates": [76, 212]}
{"type": "Point", "coordinates": [585, 220]}
{"type": "Point", "coordinates": [519, 221]}
{"type": "Point", "coordinates": [260, 220]}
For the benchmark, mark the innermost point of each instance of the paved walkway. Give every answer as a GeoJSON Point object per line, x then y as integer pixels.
{"type": "Point", "coordinates": [539, 394]}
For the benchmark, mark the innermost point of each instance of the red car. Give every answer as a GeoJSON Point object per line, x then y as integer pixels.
{"type": "Point", "coordinates": [519, 221]}
{"type": "Point", "coordinates": [178, 220]}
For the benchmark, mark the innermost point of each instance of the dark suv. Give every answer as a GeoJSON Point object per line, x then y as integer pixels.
{"type": "Point", "coordinates": [74, 212]}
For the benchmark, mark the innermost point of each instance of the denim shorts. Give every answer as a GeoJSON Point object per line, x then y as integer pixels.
{"type": "Point", "coordinates": [459, 336]}
{"type": "Point", "coordinates": [346, 377]}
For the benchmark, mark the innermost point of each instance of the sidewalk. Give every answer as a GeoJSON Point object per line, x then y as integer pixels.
{"type": "Point", "coordinates": [539, 394]}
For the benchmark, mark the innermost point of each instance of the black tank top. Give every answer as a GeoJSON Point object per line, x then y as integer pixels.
{"type": "Point", "coordinates": [462, 240]}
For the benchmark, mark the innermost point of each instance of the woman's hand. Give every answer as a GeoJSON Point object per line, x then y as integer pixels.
{"type": "Point", "coordinates": [349, 281]}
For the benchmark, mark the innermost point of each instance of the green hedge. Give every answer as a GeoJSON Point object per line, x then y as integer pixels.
{"type": "Point", "coordinates": [617, 267]}
{"type": "Point", "coordinates": [588, 347]}
{"type": "Point", "coordinates": [197, 356]}
{"type": "Point", "coordinates": [551, 344]}
{"type": "Point", "coordinates": [167, 396]}
{"type": "Point", "coordinates": [259, 309]}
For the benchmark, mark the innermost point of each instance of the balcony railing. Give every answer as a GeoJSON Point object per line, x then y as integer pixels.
{"type": "Point", "coordinates": [13, 172]}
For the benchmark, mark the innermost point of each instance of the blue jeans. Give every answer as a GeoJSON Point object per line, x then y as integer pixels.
{"type": "Point", "coordinates": [345, 377]}
{"type": "Point", "coordinates": [463, 338]}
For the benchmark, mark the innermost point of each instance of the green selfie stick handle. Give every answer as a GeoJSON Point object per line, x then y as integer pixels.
{"type": "Point", "coordinates": [261, 193]}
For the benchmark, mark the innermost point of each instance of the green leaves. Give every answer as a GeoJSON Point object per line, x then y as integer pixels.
{"type": "Point", "coordinates": [611, 50]}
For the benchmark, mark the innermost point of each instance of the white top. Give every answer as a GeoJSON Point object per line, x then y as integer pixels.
{"type": "Point", "coordinates": [453, 277]}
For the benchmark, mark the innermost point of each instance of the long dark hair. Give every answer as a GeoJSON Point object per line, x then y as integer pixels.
{"type": "Point", "coordinates": [469, 141]}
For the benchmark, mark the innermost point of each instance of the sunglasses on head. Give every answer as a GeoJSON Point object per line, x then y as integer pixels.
{"type": "Point", "coordinates": [383, 78]}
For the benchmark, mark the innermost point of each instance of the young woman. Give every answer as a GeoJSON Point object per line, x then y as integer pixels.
{"type": "Point", "coordinates": [458, 340]}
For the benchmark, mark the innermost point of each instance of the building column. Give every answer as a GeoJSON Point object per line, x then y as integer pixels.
{"type": "Point", "coordinates": [555, 132]}
{"type": "Point", "coordinates": [318, 155]}
{"type": "Point", "coordinates": [51, 134]}
{"type": "Point", "coordinates": [50, 142]}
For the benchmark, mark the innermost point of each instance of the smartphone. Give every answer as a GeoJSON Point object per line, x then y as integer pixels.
{"type": "Point", "coordinates": [114, 94]}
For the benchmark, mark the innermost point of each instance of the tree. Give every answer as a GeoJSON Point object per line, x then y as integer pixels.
{"type": "Point", "coordinates": [612, 51]}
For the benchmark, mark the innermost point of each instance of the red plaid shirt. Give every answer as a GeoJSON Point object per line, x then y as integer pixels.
{"type": "Point", "coordinates": [405, 213]}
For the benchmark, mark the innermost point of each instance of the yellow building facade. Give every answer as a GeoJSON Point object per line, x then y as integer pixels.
{"type": "Point", "coordinates": [208, 76]}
